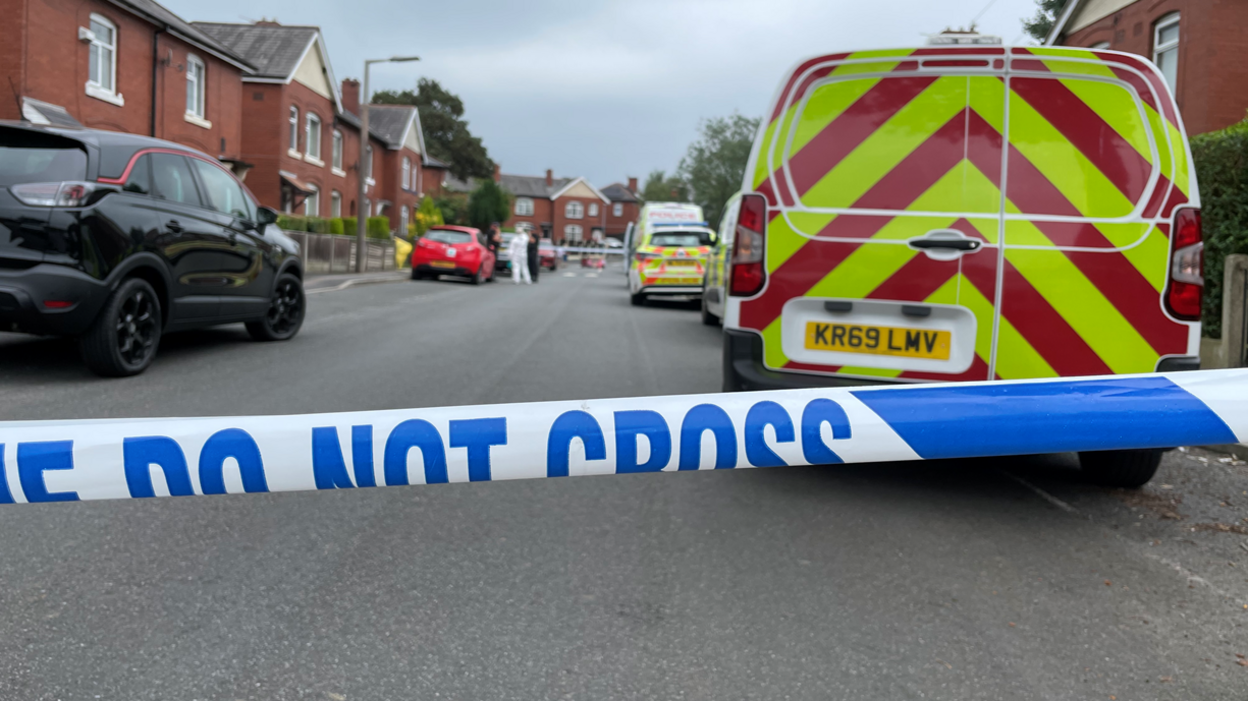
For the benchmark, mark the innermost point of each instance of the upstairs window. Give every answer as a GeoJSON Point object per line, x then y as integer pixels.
{"type": "Point", "coordinates": [312, 137]}
{"type": "Point", "coordinates": [102, 68]}
{"type": "Point", "coordinates": [293, 142]}
{"type": "Point", "coordinates": [195, 86]}
{"type": "Point", "coordinates": [524, 207]}
{"type": "Point", "coordinates": [337, 155]}
{"type": "Point", "coordinates": [574, 210]}
{"type": "Point", "coordinates": [1166, 48]}
{"type": "Point", "coordinates": [407, 173]}
{"type": "Point", "coordinates": [617, 210]}
{"type": "Point", "coordinates": [593, 209]}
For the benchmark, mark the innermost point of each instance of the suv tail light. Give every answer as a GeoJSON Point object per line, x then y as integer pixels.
{"type": "Point", "coordinates": [65, 194]}
{"type": "Point", "coordinates": [748, 275]}
{"type": "Point", "coordinates": [1187, 266]}
{"type": "Point", "coordinates": [643, 256]}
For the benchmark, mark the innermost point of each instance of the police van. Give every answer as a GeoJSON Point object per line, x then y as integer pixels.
{"type": "Point", "coordinates": [668, 250]}
{"type": "Point", "coordinates": [952, 214]}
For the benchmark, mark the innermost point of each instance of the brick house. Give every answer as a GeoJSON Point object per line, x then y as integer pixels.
{"type": "Point", "coordinates": [434, 176]}
{"type": "Point", "coordinates": [1201, 47]}
{"type": "Point", "coordinates": [399, 142]}
{"type": "Point", "coordinates": [625, 207]}
{"type": "Point", "coordinates": [292, 135]}
{"type": "Point", "coordinates": [129, 66]}
{"type": "Point", "coordinates": [567, 209]}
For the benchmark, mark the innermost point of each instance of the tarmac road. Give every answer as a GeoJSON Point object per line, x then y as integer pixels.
{"type": "Point", "coordinates": [992, 579]}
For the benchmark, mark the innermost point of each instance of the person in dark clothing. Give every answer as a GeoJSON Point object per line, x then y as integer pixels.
{"type": "Point", "coordinates": [535, 266]}
{"type": "Point", "coordinates": [495, 239]}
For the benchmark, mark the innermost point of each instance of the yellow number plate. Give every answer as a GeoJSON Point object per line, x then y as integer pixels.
{"type": "Point", "coordinates": [441, 264]}
{"type": "Point", "coordinates": [879, 340]}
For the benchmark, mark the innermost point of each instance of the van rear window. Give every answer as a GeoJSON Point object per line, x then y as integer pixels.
{"type": "Point", "coordinates": [30, 157]}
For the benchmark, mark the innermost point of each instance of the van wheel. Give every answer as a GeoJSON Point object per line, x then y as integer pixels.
{"type": "Point", "coordinates": [124, 337]}
{"type": "Point", "coordinates": [637, 299]}
{"type": "Point", "coordinates": [285, 314]}
{"type": "Point", "coordinates": [1129, 469]}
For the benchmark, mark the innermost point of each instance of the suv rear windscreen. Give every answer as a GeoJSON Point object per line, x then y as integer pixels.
{"type": "Point", "coordinates": [31, 157]}
{"type": "Point", "coordinates": [681, 238]}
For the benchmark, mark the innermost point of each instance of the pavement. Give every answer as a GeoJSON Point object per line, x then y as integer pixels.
{"type": "Point", "coordinates": [985, 579]}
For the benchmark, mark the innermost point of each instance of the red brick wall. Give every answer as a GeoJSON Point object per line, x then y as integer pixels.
{"type": "Point", "coordinates": [541, 215]}
{"type": "Point", "coordinates": [1213, 53]}
{"type": "Point", "coordinates": [391, 186]}
{"type": "Point", "coordinates": [45, 61]}
{"type": "Point", "coordinates": [616, 226]}
{"type": "Point", "coordinates": [588, 223]}
{"type": "Point", "coordinates": [431, 180]}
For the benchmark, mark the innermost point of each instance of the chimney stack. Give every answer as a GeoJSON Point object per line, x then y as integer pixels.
{"type": "Point", "coordinates": [550, 178]}
{"type": "Point", "coordinates": [498, 173]}
{"type": "Point", "coordinates": [351, 95]}
{"type": "Point", "coordinates": [632, 185]}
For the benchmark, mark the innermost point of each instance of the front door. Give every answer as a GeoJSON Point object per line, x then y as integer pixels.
{"type": "Point", "coordinates": [245, 261]}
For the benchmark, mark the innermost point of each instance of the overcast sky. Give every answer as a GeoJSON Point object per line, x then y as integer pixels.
{"type": "Point", "coordinates": [604, 89]}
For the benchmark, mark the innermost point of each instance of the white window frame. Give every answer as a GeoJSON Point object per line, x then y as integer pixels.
{"type": "Point", "coordinates": [574, 210]}
{"type": "Point", "coordinates": [335, 204]}
{"type": "Point", "coordinates": [311, 146]}
{"type": "Point", "coordinates": [407, 173]}
{"type": "Point", "coordinates": [524, 207]}
{"type": "Point", "coordinates": [335, 166]}
{"type": "Point", "coordinates": [292, 139]}
{"type": "Point", "coordinates": [197, 113]}
{"type": "Point", "coordinates": [617, 210]}
{"type": "Point", "coordinates": [95, 88]}
{"type": "Point", "coordinates": [1159, 49]}
{"type": "Point", "coordinates": [313, 197]}
{"type": "Point", "coordinates": [593, 209]}
{"type": "Point", "coordinates": [574, 230]}
{"type": "Point", "coordinates": [368, 153]}
{"type": "Point", "coordinates": [403, 221]}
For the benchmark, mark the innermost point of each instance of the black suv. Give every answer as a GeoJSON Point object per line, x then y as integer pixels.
{"type": "Point", "coordinates": [114, 239]}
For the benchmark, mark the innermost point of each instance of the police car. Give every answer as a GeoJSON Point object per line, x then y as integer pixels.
{"type": "Point", "coordinates": [964, 214]}
{"type": "Point", "coordinates": [668, 250]}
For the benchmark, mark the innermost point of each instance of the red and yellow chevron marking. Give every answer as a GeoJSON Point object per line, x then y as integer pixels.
{"type": "Point", "coordinates": [873, 131]}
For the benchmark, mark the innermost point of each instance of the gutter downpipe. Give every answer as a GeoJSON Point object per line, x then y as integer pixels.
{"type": "Point", "coordinates": [155, 67]}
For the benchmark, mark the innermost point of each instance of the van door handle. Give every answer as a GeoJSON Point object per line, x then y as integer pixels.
{"type": "Point", "coordinates": [953, 244]}
{"type": "Point", "coordinates": [174, 226]}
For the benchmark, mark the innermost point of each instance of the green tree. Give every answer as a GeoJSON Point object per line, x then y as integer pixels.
{"type": "Point", "coordinates": [446, 131]}
{"type": "Point", "coordinates": [427, 215]}
{"type": "Point", "coordinates": [714, 165]}
{"type": "Point", "coordinates": [660, 187]}
{"type": "Point", "coordinates": [454, 208]}
{"type": "Point", "coordinates": [1046, 16]}
{"type": "Point", "coordinates": [488, 203]}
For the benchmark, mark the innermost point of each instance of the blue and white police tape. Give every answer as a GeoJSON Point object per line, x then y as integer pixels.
{"type": "Point", "coordinates": [45, 461]}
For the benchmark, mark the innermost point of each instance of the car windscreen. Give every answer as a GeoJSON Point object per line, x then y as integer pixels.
{"type": "Point", "coordinates": [681, 238]}
{"type": "Point", "coordinates": [31, 157]}
{"type": "Point", "coordinates": [445, 236]}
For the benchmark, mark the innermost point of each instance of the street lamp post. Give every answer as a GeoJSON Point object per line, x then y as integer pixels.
{"type": "Point", "coordinates": [361, 224]}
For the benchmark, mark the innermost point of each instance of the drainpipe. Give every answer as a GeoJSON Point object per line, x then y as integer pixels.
{"type": "Point", "coordinates": [155, 66]}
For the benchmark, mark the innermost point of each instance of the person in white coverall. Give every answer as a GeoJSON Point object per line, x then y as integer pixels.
{"type": "Point", "coordinates": [518, 250]}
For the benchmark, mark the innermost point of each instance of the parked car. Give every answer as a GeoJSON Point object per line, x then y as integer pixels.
{"type": "Point", "coordinates": [548, 254]}
{"type": "Point", "coordinates": [1030, 216]}
{"type": "Point", "coordinates": [115, 239]}
{"type": "Point", "coordinates": [503, 262]}
{"type": "Point", "coordinates": [453, 250]}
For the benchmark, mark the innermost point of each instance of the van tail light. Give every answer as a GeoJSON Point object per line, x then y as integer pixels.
{"type": "Point", "coordinates": [748, 275]}
{"type": "Point", "coordinates": [65, 194]}
{"type": "Point", "coordinates": [1187, 266]}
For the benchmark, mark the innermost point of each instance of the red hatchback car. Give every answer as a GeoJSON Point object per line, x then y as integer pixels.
{"type": "Point", "coordinates": [453, 250]}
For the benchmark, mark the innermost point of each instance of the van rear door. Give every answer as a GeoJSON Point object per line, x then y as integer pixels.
{"type": "Point", "coordinates": [882, 171]}
{"type": "Point", "coordinates": [1096, 166]}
